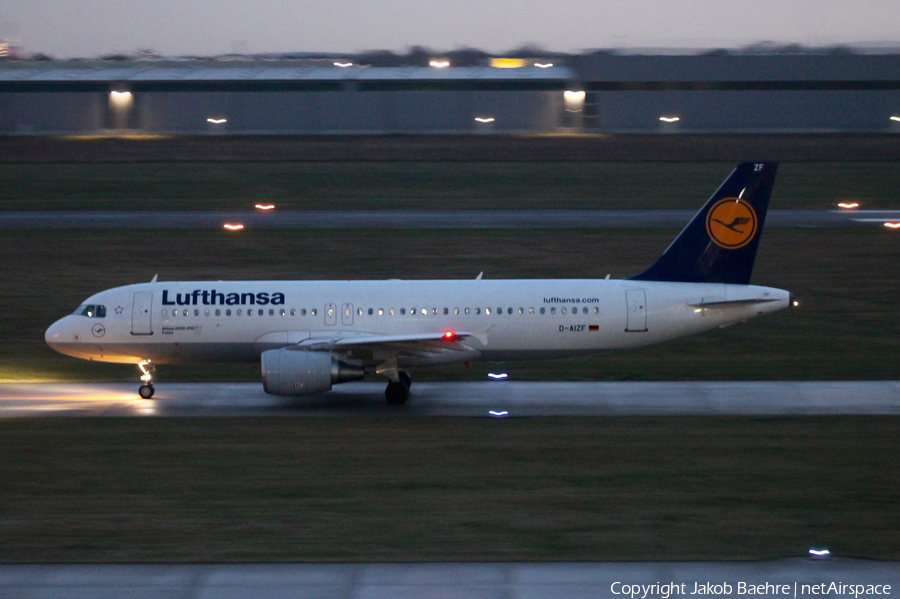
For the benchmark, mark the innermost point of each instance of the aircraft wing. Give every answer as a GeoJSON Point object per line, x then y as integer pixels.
{"type": "Point", "coordinates": [419, 345]}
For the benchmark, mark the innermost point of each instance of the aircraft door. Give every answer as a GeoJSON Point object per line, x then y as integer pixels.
{"type": "Point", "coordinates": [141, 313]}
{"type": "Point", "coordinates": [330, 314]}
{"type": "Point", "coordinates": [347, 314]}
{"type": "Point", "coordinates": [636, 302]}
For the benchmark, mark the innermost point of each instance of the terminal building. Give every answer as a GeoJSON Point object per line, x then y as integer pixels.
{"type": "Point", "coordinates": [591, 93]}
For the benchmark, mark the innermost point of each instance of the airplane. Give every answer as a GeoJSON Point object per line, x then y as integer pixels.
{"type": "Point", "coordinates": [310, 335]}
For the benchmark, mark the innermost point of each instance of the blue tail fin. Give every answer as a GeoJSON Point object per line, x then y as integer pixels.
{"type": "Point", "coordinates": [719, 244]}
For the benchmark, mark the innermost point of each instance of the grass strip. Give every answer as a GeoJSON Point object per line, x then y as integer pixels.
{"type": "Point", "coordinates": [295, 489]}
{"type": "Point", "coordinates": [425, 185]}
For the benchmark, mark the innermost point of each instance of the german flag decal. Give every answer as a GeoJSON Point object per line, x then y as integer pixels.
{"type": "Point", "coordinates": [731, 223]}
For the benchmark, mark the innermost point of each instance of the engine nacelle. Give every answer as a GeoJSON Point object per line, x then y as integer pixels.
{"type": "Point", "coordinates": [298, 372]}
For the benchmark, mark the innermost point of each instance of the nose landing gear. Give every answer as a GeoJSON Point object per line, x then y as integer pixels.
{"type": "Point", "coordinates": [147, 371]}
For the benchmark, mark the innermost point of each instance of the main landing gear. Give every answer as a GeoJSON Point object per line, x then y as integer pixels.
{"type": "Point", "coordinates": [397, 392]}
{"type": "Point", "coordinates": [147, 371]}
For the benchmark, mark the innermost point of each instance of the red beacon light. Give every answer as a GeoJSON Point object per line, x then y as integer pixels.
{"type": "Point", "coordinates": [448, 336]}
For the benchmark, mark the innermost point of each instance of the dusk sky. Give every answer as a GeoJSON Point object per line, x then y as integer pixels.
{"type": "Point", "coordinates": [84, 28]}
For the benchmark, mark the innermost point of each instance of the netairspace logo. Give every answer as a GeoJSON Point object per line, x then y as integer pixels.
{"type": "Point", "coordinates": [795, 590]}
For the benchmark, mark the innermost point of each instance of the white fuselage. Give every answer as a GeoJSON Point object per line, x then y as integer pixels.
{"type": "Point", "coordinates": [235, 321]}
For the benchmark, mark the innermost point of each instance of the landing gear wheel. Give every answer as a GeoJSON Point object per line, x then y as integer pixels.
{"type": "Point", "coordinates": [396, 393]}
{"type": "Point", "coordinates": [146, 391]}
{"type": "Point", "coordinates": [405, 378]}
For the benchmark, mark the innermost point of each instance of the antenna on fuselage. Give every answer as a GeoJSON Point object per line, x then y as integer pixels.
{"type": "Point", "coordinates": [481, 274]}
{"type": "Point", "coordinates": [153, 280]}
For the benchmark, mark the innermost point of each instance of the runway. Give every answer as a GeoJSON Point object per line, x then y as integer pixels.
{"type": "Point", "coordinates": [494, 399]}
{"type": "Point", "coordinates": [450, 581]}
{"type": "Point", "coordinates": [418, 219]}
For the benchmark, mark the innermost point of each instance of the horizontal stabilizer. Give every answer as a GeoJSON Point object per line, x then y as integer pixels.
{"type": "Point", "coordinates": [734, 303]}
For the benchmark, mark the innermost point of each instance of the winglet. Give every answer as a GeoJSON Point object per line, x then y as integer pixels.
{"type": "Point", "coordinates": [719, 244]}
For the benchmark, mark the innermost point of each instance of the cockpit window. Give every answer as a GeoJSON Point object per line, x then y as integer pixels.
{"type": "Point", "coordinates": [91, 311]}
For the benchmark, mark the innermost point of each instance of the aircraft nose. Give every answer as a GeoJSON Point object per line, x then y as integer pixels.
{"type": "Point", "coordinates": [54, 334]}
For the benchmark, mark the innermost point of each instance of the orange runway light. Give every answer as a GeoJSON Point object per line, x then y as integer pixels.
{"type": "Point", "coordinates": [848, 205]}
{"type": "Point", "coordinates": [234, 227]}
{"type": "Point", "coordinates": [265, 206]}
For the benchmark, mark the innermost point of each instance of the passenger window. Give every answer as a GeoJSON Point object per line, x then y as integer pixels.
{"type": "Point", "coordinates": [456, 311]}
{"type": "Point", "coordinates": [371, 311]}
{"type": "Point", "coordinates": [218, 312]}
{"type": "Point", "coordinates": [446, 311]}
{"type": "Point", "coordinates": [391, 311]}
{"type": "Point", "coordinates": [553, 310]}
{"type": "Point", "coordinates": [196, 312]}
{"type": "Point", "coordinates": [467, 310]}
{"type": "Point", "coordinates": [271, 312]}
{"type": "Point", "coordinates": [228, 312]}
{"type": "Point", "coordinates": [477, 310]}
{"type": "Point", "coordinates": [238, 313]}
{"type": "Point", "coordinates": [509, 310]}
{"type": "Point", "coordinates": [531, 311]}
{"type": "Point", "coordinates": [293, 311]}
{"type": "Point", "coordinates": [380, 311]}
{"type": "Point", "coordinates": [282, 312]}
{"type": "Point", "coordinates": [359, 312]}
{"type": "Point", "coordinates": [596, 310]}
{"type": "Point", "coordinates": [563, 310]}
{"type": "Point", "coordinates": [499, 311]}
{"type": "Point", "coordinates": [487, 311]}
{"type": "Point", "coordinates": [543, 310]}
{"type": "Point", "coordinates": [434, 311]}
{"type": "Point", "coordinates": [403, 311]}
{"type": "Point", "coordinates": [206, 312]}
{"type": "Point", "coordinates": [521, 311]}
{"type": "Point", "coordinates": [313, 312]}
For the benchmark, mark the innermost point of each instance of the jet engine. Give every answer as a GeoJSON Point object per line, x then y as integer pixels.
{"type": "Point", "coordinates": [299, 372]}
